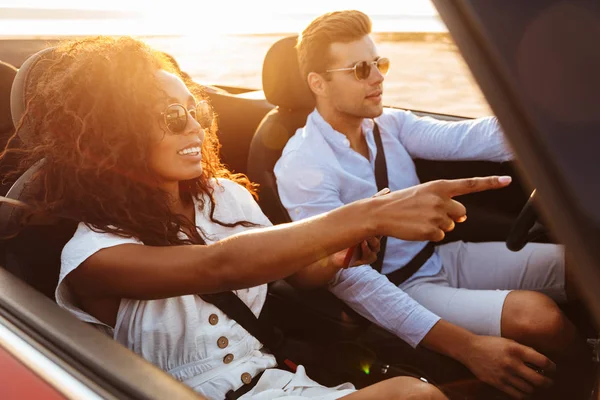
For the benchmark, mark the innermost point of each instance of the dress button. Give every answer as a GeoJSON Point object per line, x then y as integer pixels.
{"type": "Point", "coordinates": [346, 142]}
{"type": "Point", "coordinates": [222, 342]}
{"type": "Point", "coordinates": [213, 319]}
{"type": "Point", "coordinates": [228, 358]}
{"type": "Point", "coordinates": [246, 378]}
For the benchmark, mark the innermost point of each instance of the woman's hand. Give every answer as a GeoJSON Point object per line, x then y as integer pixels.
{"type": "Point", "coordinates": [426, 211]}
{"type": "Point", "coordinates": [319, 274]}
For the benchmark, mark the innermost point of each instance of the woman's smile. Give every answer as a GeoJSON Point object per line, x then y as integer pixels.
{"type": "Point", "coordinates": [191, 151]}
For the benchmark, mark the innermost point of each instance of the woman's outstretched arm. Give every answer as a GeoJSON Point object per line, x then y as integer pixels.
{"type": "Point", "coordinates": [248, 259]}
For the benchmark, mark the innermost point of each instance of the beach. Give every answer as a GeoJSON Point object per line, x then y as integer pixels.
{"type": "Point", "coordinates": [427, 72]}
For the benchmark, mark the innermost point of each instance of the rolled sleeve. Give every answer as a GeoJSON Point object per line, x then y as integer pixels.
{"type": "Point", "coordinates": [310, 179]}
{"type": "Point", "coordinates": [429, 138]}
{"type": "Point", "coordinates": [374, 297]}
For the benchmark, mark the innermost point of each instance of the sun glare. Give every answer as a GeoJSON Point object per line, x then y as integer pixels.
{"type": "Point", "coordinates": [193, 18]}
{"type": "Point", "coordinates": [271, 16]}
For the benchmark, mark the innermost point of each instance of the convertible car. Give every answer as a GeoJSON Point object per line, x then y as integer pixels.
{"type": "Point", "coordinates": [536, 62]}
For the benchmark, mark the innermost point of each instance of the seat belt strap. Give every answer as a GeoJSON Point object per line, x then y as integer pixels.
{"type": "Point", "coordinates": [381, 177]}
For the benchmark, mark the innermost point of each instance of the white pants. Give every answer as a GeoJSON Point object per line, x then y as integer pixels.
{"type": "Point", "coordinates": [475, 278]}
{"type": "Point", "coordinates": [279, 384]}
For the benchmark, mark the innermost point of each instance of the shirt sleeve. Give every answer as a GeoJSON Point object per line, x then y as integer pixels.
{"type": "Point", "coordinates": [241, 197]}
{"type": "Point", "coordinates": [306, 188]}
{"type": "Point", "coordinates": [429, 138]}
{"type": "Point", "coordinates": [84, 243]}
{"type": "Point", "coordinates": [374, 297]}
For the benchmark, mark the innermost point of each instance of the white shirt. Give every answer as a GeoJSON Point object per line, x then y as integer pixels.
{"type": "Point", "coordinates": [319, 171]}
{"type": "Point", "coordinates": [181, 335]}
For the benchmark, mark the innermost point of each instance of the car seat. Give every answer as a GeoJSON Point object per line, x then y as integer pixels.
{"type": "Point", "coordinates": [283, 87]}
{"type": "Point", "coordinates": [317, 312]}
{"type": "Point", "coordinates": [32, 251]}
{"type": "Point", "coordinates": [7, 76]}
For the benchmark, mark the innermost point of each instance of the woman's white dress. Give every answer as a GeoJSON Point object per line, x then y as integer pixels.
{"type": "Point", "coordinates": [188, 338]}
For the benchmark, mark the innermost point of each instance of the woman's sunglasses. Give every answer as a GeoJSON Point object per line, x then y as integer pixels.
{"type": "Point", "coordinates": [362, 69]}
{"type": "Point", "coordinates": [176, 116]}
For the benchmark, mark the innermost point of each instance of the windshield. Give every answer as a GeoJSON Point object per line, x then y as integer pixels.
{"type": "Point", "coordinates": [221, 46]}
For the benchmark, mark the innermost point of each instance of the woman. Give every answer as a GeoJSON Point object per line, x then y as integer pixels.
{"type": "Point", "coordinates": [131, 153]}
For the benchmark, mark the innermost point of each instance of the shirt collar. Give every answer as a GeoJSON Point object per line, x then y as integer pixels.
{"type": "Point", "coordinates": [335, 137]}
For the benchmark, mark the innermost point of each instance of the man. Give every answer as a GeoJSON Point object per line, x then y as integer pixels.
{"type": "Point", "coordinates": [470, 301]}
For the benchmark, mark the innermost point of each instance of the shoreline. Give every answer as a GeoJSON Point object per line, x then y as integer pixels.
{"type": "Point", "coordinates": [435, 78]}
{"type": "Point", "coordinates": [389, 36]}
{"type": "Point", "coordinates": [15, 49]}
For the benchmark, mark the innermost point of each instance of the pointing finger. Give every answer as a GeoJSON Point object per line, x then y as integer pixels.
{"type": "Point", "coordinates": [458, 187]}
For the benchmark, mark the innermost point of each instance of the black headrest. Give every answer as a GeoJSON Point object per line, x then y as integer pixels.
{"type": "Point", "coordinates": [23, 189]}
{"type": "Point", "coordinates": [7, 76]}
{"type": "Point", "coordinates": [281, 79]}
{"type": "Point", "coordinates": [33, 252]}
{"type": "Point", "coordinates": [24, 85]}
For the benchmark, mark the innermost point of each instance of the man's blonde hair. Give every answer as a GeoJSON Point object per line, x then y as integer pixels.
{"type": "Point", "coordinates": [334, 27]}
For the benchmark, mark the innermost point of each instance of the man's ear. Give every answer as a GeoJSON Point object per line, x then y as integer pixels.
{"type": "Point", "coordinates": [317, 84]}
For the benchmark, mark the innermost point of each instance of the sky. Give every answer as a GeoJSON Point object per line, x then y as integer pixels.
{"type": "Point", "coordinates": [215, 16]}
{"type": "Point", "coordinates": [256, 6]}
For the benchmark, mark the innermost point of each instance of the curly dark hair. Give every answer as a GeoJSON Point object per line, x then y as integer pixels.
{"type": "Point", "coordinates": [92, 112]}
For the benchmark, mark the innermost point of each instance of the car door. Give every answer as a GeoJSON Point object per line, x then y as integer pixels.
{"type": "Point", "coordinates": [46, 353]}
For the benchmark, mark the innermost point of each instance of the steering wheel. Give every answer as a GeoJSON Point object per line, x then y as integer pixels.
{"type": "Point", "coordinates": [525, 228]}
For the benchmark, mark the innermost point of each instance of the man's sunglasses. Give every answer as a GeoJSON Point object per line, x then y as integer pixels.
{"type": "Point", "coordinates": [362, 69]}
{"type": "Point", "coordinates": [176, 116]}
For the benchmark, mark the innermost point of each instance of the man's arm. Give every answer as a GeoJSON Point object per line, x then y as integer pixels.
{"type": "Point", "coordinates": [374, 297]}
{"type": "Point", "coordinates": [428, 138]}
{"type": "Point", "coordinates": [362, 288]}
{"type": "Point", "coordinates": [497, 361]}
